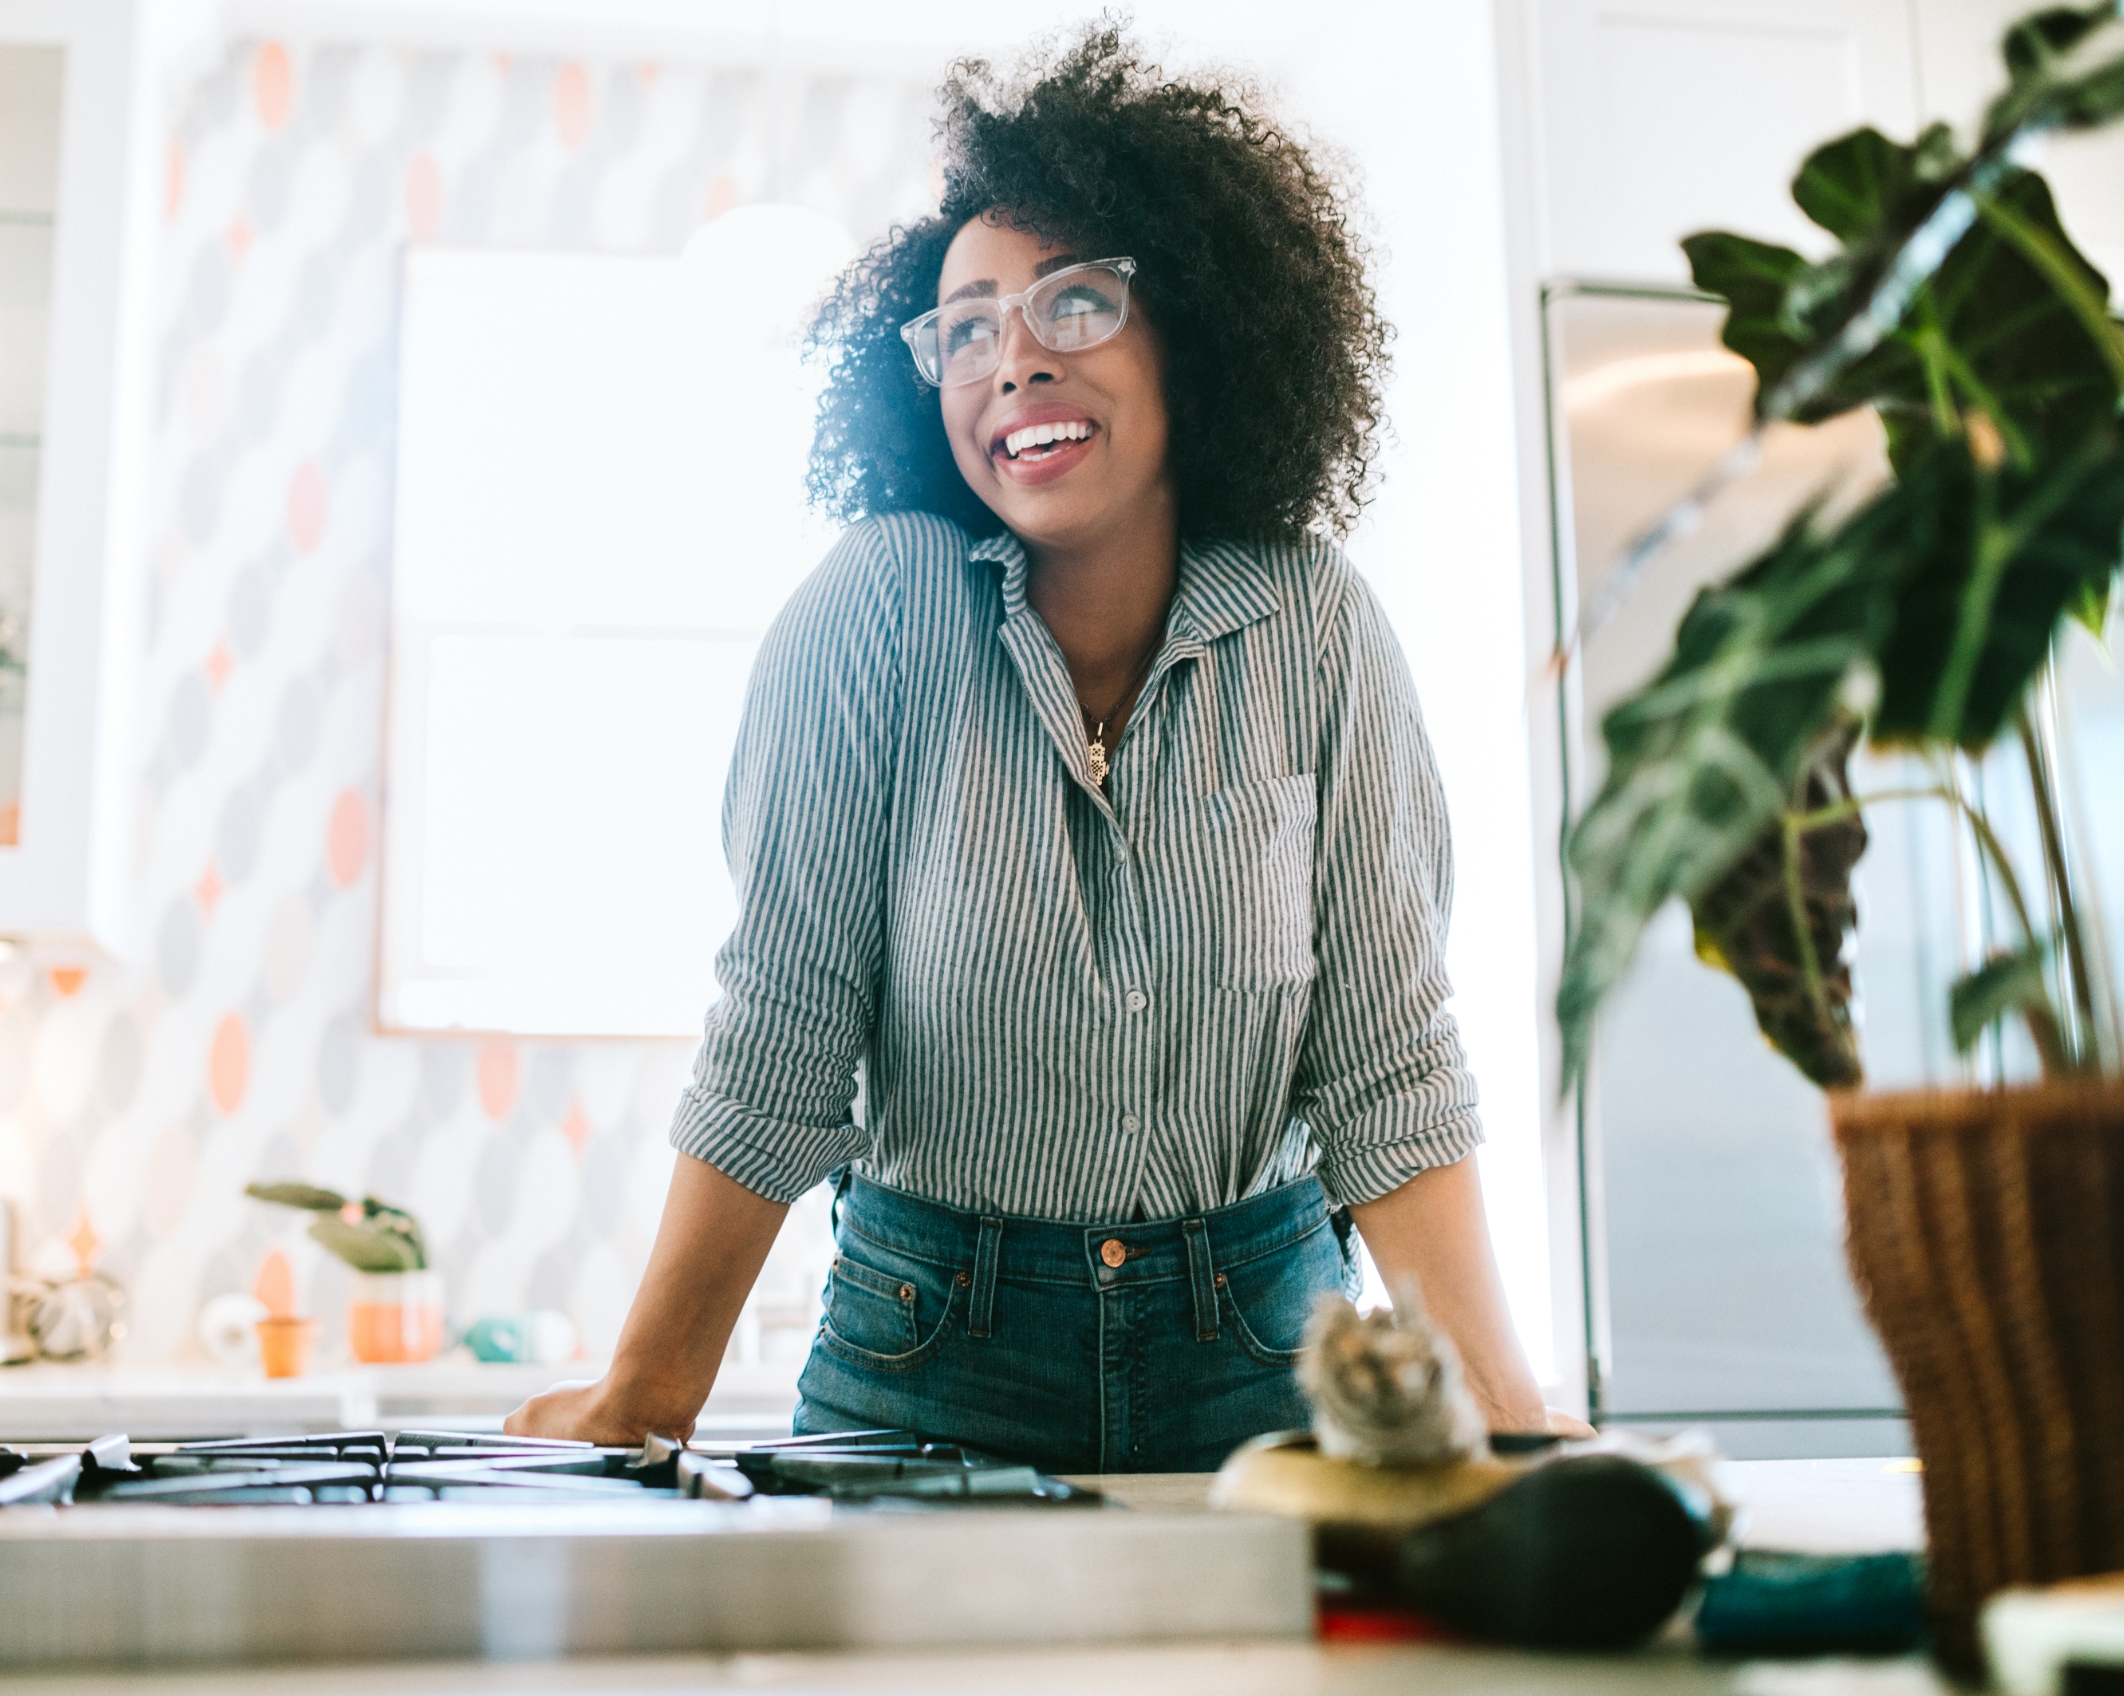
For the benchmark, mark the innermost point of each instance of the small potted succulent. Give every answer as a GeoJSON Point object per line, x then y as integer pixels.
{"type": "Point", "coordinates": [1986, 1226]}
{"type": "Point", "coordinates": [397, 1311]}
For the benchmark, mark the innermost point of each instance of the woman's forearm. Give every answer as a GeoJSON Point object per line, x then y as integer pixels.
{"type": "Point", "coordinates": [1434, 1230]}
{"type": "Point", "coordinates": [710, 1245]}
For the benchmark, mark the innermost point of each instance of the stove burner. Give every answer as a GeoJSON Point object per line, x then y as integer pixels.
{"type": "Point", "coordinates": [343, 1468]}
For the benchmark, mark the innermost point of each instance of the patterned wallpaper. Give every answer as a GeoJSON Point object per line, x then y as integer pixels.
{"type": "Point", "coordinates": [136, 1102]}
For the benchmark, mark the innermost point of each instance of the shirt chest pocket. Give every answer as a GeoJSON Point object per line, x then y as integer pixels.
{"type": "Point", "coordinates": [1257, 882]}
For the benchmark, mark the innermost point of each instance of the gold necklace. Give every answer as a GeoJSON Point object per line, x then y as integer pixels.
{"type": "Point", "coordinates": [1095, 753]}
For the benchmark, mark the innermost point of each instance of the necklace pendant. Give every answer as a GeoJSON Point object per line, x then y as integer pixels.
{"type": "Point", "coordinates": [1095, 753]}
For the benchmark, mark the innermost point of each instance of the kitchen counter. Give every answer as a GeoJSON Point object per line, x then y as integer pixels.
{"type": "Point", "coordinates": [1208, 1669]}
{"type": "Point", "coordinates": [1826, 1505]}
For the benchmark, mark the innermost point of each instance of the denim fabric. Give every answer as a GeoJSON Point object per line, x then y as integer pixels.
{"type": "Point", "coordinates": [1017, 1336]}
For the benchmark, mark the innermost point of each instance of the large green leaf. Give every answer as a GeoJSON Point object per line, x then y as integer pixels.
{"type": "Point", "coordinates": [1994, 559]}
{"type": "Point", "coordinates": [1992, 331]}
{"type": "Point", "coordinates": [1708, 755]}
{"type": "Point", "coordinates": [1744, 922]}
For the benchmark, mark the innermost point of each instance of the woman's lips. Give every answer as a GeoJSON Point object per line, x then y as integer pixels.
{"type": "Point", "coordinates": [1031, 469]}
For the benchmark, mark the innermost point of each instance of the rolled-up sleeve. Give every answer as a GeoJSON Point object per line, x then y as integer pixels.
{"type": "Point", "coordinates": [806, 820]}
{"type": "Point", "coordinates": [1382, 1081]}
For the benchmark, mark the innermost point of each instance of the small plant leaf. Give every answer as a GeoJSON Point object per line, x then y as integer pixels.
{"type": "Point", "coordinates": [1752, 277]}
{"type": "Point", "coordinates": [306, 1196]}
{"type": "Point", "coordinates": [384, 1216]}
{"type": "Point", "coordinates": [2090, 610]}
{"type": "Point", "coordinates": [1744, 923]}
{"type": "Point", "coordinates": [2005, 984]}
{"type": "Point", "coordinates": [1861, 181]}
{"type": "Point", "coordinates": [368, 1248]}
{"type": "Point", "coordinates": [2068, 62]}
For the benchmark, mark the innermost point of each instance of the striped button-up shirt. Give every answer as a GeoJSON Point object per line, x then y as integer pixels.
{"type": "Point", "coordinates": [1224, 971]}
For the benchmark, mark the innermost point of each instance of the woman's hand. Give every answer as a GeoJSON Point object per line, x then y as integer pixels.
{"type": "Point", "coordinates": [1569, 1426]}
{"type": "Point", "coordinates": [587, 1413]}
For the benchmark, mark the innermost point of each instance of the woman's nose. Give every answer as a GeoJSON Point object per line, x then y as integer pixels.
{"type": "Point", "coordinates": [1023, 360]}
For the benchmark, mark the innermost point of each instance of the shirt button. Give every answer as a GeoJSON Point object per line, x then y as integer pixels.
{"type": "Point", "coordinates": [1131, 1124]}
{"type": "Point", "coordinates": [1113, 1251]}
{"type": "Point", "coordinates": [1137, 1001]}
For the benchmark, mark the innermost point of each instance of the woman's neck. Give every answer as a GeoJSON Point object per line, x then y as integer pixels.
{"type": "Point", "coordinates": [1105, 600]}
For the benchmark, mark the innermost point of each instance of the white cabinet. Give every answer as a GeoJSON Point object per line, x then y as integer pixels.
{"type": "Point", "coordinates": [1658, 118]}
{"type": "Point", "coordinates": [75, 221]}
{"type": "Point", "coordinates": [1652, 119]}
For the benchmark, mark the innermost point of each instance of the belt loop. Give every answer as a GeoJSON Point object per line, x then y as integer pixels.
{"type": "Point", "coordinates": [984, 1283]}
{"type": "Point", "coordinates": [840, 1177]}
{"type": "Point", "coordinates": [1203, 1278]}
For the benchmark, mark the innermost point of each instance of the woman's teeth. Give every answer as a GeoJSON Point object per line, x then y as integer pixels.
{"type": "Point", "coordinates": [1038, 436]}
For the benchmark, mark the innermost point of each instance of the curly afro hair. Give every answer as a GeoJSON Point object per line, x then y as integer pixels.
{"type": "Point", "coordinates": [1247, 266]}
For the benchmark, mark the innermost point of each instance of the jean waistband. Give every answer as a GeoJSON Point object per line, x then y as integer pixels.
{"type": "Point", "coordinates": [1060, 1251]}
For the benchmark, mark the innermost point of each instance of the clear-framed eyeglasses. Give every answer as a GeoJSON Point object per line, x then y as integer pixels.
{"type": "Point", "coordinates": [1075, 308]}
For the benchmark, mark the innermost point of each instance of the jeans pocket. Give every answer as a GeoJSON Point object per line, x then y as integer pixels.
{"type": "Point", "coordinates": [887, 1310]}
{"type": "Point", "coordinates": [1268, 1300]}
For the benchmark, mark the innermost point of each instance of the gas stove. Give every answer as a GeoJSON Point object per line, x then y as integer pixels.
{"type": "Point", "coordinates": [376, 1544]}
{"type": "Point", "coordinates": [359, 1468]}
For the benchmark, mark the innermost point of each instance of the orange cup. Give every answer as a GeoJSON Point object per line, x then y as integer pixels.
{"type": "Point", "coordinates": [396, 1317]}
{"type": "Point", "coordinates": [285, 1342]}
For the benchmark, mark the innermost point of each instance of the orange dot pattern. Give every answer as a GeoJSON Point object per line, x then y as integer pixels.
{"type": "Point", "coordinates": [242, 1028]}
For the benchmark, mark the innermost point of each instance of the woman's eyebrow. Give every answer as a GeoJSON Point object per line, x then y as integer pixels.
{"type": "Point", "coordinates": [987, 285]}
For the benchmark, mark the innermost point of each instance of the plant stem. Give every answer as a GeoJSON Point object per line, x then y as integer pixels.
{"type": "Point", "coordinates": [1932, 349]}
{"type": "Point", "coordinates": [2044, 1028]}
{"type": "Point", "coordinates": [2050, 827]}
{"type": "Point", "coordinates": [1979, 827]}
{"type": "Point", "coordinates": [1987, 570]}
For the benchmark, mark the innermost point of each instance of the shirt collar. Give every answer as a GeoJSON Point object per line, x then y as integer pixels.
{"type": "Point", "coordinates": [1222, 588]}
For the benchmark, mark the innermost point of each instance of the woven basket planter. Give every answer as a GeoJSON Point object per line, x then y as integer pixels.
{"type": "Point", "coordinates": [1987, 1238]}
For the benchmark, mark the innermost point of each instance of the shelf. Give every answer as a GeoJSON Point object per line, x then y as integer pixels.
{"type": "Point", "coordinates": [61, 1403]}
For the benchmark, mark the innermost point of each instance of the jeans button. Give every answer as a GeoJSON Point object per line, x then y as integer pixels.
{"type": "Point", "coordinates": [1113, 1251]}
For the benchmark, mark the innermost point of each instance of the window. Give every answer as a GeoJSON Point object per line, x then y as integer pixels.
{"type": "Point", "coordinates": [599, 510]}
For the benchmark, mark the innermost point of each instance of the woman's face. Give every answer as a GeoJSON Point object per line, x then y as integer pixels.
{"type": "Point", "coordinates": [1069, 493]}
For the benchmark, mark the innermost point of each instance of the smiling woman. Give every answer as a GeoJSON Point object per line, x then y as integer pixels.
{"type": "Point", "coordinates": [1083, 812]}
{"type": "Point", "coordinates": [1245, 252]}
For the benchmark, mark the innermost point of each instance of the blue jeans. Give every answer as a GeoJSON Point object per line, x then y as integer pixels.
{"type": "Point", "coordinates": [1154, 1346]}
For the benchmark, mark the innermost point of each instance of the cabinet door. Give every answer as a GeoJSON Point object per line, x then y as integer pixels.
{"type": "Point", "coordinates": [32, 78]}
{"type": "Point", "coordinates": [1663, 117]}
{"type": "Point", "coordinates": [72, 284]}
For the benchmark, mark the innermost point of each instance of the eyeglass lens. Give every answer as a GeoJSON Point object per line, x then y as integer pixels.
{"type": "Point", "coordinates": [1072, 310]}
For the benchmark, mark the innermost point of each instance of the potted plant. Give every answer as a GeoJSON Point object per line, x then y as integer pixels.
{"type": "Point", "coordinates": [397, 1311]}
{"type": "Point", "coordinates": [1986, 1227]}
